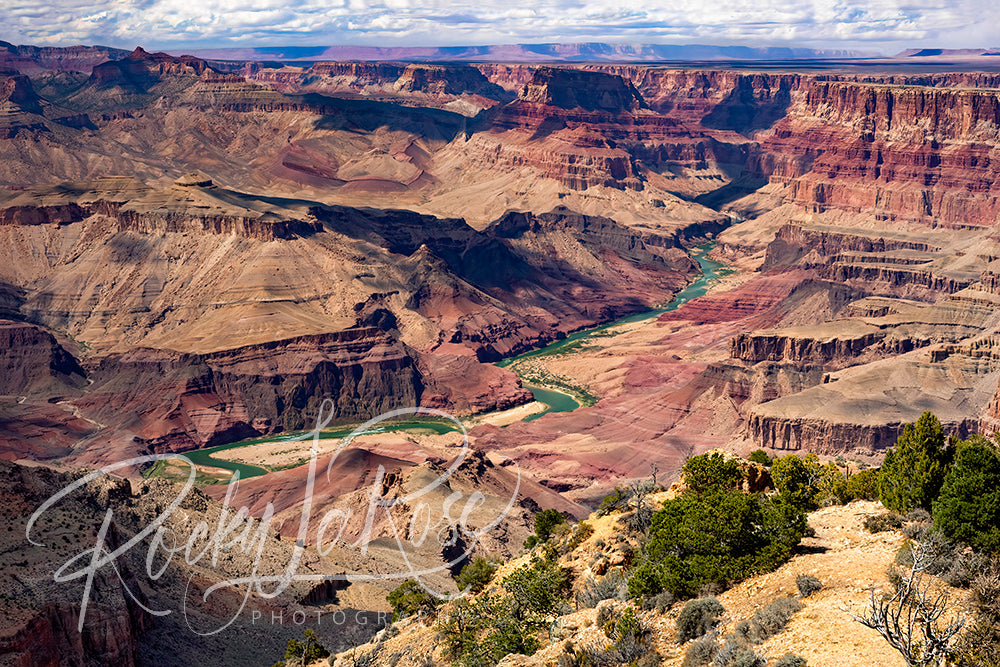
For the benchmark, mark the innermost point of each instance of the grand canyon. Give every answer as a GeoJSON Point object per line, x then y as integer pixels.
{"type": "Point", "coordinates": [600, 268]}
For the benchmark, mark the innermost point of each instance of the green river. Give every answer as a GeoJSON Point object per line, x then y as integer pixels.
{"type": "Point", "coordinates": [560, 401]}
{"type": "Point", "coordinates": [554, 399]}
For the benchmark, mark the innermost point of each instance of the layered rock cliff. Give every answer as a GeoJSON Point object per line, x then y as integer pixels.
{"type": "Point", "coordinates": [32, 60]}
{"type": "Point", "coordinates": [211, 315]}
{"type": "Point", "coordinates": [174, 402]}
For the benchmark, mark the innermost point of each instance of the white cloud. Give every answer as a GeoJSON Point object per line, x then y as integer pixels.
{"type": "Point", "coordinates": [890, 24]}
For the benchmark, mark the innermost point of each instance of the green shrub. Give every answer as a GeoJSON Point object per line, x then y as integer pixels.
{"type": "Point", "coordinates": [594, 591]}
{"type": "Point", "coordinates": [718, 538]}
{"type": "Point", "coordinates": [505, 627]}
{"type": "Point", "coordinates": [304, 652]}
{"type": "Point", "coordinates": [541, 587]}
{"type": "Point", "coordinates": [808, 585]}
{"type": "Point", "coordinates": [747, 658]}
{"type": "Point", "coordinates": [979, 645]}
{"type": "Point", "coordinates": [879, 523]}
{"type": "Point", "coordinates": [968, 507]}
{"type": "Point", "coordinates": [605, 614]}
{"type": "Point", "coordinates": [914, 470]}
{"type": "Point", "coordinates": [615, 502]}
{"type": "Point", "coordinates": [411, 598]}
{"type": "Point", "coordinates": [795, 481]}
{"type": "Point", "coordinates": [950, 561]}
{"type": "Point", "coordinates": [573, 656]}
{"type": "Point", "coordinates": [644, 581]}
{"type": "Point", "coordinates": [918, 515]}
{"type": "Point", "coordinates": [862, 485]}
{"type": "Point", "coordinates": [733, 645]}
{"type": "Point", "coordinates": [582, 531]}
{"type": "Point", "coordinates": [790, 660]}
{"type": "Point", "coordinates": [630, 636]}
{"type": "Point", "coordinates": [916, 531]}
{"type": "Point", "coordinates": [476, 575]}
{"type": "Point", "coordinates": [709, 473]}
{"type": "Point", "coordinates": [773, 618]}
{"type": "Point", "coordinates": [759, 456]}
{"type": "Point", "coordinates": [546, 522]}
{"type": "Point", "coordinates": [661, 602]}
{"type": "Point", "coordinates": [483, 631]}
{"type": "Point", "coordinates": [697, 618]}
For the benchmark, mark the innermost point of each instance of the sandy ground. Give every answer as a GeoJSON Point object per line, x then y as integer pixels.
{"type": "Point", "coordinates": [848, 561]}
{"type": "Point", "coordinates": [505, 417]}
{"type": "Point", "coordinates": [176, 469]}
{"type": "Point", "coordinates": [411, 445]}
{"type": "Point", "coordinates": [284, 453]}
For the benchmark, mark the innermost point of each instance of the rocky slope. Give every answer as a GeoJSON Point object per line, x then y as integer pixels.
{"type": "Point", "coordinates": [460, 88]}
{"type": "Point", "coordinates": [831, 142]}
{"type": "Point", "coordinates": [139, 613]}
{"type": "Point", "coordinates": [842, 555]}
{"type": "Point", "coordinates": [867, 243]}
{"type": "Point", "coordinates": [871, 182]}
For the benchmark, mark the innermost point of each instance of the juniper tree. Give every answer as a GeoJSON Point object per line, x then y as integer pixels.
{"type": "Point", "coordinates": [914, 470]}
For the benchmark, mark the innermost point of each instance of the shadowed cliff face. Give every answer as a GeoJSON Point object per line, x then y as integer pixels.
{"type": "Point", "coordinates": [175, 402]}
{"type": "Point", "coordinates": [32, 60]}
{"type": "Point", "coordinates": [570, 89]}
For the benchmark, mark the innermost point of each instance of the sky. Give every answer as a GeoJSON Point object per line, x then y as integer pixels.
{"type": "Point", "coordinates": [881, 25]}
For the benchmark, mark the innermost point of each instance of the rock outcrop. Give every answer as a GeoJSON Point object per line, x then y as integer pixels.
{"type": "Point", "coordinates": [571, 89]}
{"type": "Point", "coordinates": [32, 60]}
{"type": "Point", "coordinates": [31, 361]}
{"type": "Point", "coordinates": [140, 70]}
{"type": "Point", "coordinates": [175, 402]}
{"type": "Point", "coordinates": [193, 205]}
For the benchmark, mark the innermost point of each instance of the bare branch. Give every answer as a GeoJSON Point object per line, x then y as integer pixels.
{"type": "Point", "coordinates": [910, 619]}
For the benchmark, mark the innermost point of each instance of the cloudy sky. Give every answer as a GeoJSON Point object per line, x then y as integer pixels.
{"type": "Point", "coordinates": [886, 25]}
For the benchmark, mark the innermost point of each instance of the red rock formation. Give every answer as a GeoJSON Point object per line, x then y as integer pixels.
{"type": "Point", "coordinates": [756, 347]}
{"type": "Point", "coordinates": [831, 438]}
{"type": "Point", "coordinates": [413, 84]}
{"type": "Point", "coordinates": [190, 207]}
{"type": "Point", "coordinates": [463, 385]}
{"type": "Point", "coordinates": [174, 402]}
{"type": "Point", "coordinates": [571, 89]}
{"type": "Point", "coordinates": [141, 69]}
{"type": "Point", "coordinates": [50, 637]}
{"type": "Point", "coordinates": [598, 138]}
{"type": "Point", "coordinates": [32, 60]}
{"type": "Point", "coordinates": [16, 92]}
{"type": "Point", "coordinates": [32, 362]}
{"type": "Point", "coordinates": [447, 80]}
{"type": "Point", "coordinates": [511, 77]}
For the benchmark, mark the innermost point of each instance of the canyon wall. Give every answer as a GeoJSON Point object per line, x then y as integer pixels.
{"type": "Point", "coordinates": [175, 402]}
